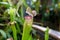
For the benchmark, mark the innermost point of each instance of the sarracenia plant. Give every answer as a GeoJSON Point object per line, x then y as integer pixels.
{"type": "Point", "coordinates": [27, 28]}
{"type": "Point", "coordinates": [12, 13]}
{"type": "Point", "coordinates": [47, 34]}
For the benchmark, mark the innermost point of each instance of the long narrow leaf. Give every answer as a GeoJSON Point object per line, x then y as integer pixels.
{"type": "Point", "coordinates": [27, 28]}
{"type": "Point", "coordinates": [12, 19]}
{"type": "Point", "coordinates": [47, 34]}
{"type": "Point", "coordinates": [3, 33]}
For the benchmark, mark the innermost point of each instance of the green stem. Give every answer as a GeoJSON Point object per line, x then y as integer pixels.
{"type": "Point", "coordinates": [26, 30]}
{"type": "Point", "coordinates": [47, 34]}
{"type": "Point", "coordinates": [14, 31]}
{"type": "Point", "coordinates": [12, 19]}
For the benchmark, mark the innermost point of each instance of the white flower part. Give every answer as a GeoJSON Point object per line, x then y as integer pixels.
{"type": "Point", "coordinates": [34, 0]}
{"type": "Point", "coordinates": [34, 13]}
{"type": "Point", "coordinates": [29, 13]}
{"type": "Point", "coordinates": [9, 39]}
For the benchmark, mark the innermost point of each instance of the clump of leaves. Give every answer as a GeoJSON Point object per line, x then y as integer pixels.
{"type": "Point", "coordinates": [13, 13]}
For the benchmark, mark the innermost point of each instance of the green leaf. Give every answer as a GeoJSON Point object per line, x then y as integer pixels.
{"type": "Point", "coordinates": [3, 33]}
{"type": "Point", "coordinates": [27, 29]}
{"type": "Point", "coordinates": [12, 19]}
{"type": "Point", "coordinates": [5, 4]}
{"type": "Point", "coordinates": [30, 38]}
{"type": "Point", "coordinates": [47, 34]}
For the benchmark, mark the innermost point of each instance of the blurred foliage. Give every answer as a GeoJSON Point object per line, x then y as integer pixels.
{"type": "Point", "coordinates": [13, 15]}
{"type": "Point", "coordinates": [12, 21]}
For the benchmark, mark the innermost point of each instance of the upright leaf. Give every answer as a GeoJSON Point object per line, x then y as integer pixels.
{"type": "Point", "coordinates": [12, 19]}
{"type": "Point", "coordinates": [47, 34]}
{"type": "Point", "coordinates": [27, 28]}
